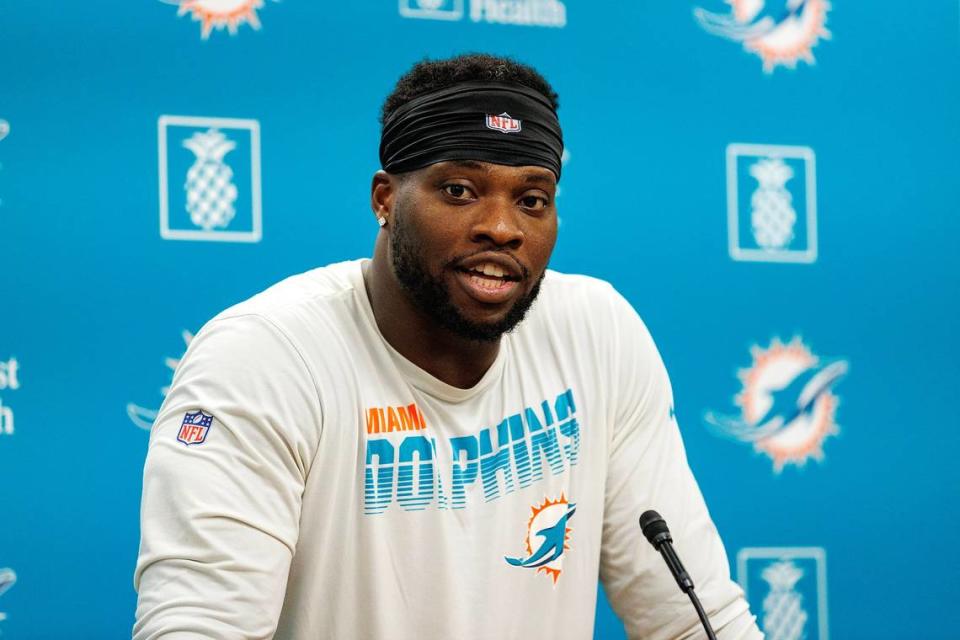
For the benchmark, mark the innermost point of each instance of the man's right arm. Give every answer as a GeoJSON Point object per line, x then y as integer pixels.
{"type": "Point", "coordinates": [648, 469]}
{"type": "Point", "coordinates": [221, 504]}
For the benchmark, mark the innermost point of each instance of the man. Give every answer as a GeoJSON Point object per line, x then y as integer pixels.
{"type": "Point", "coordinates": [418, 445]}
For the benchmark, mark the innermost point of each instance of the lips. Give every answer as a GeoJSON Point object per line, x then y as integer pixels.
{"type": "Point", "coordinates": [490, 278]}
{"type": "Point", "coordinates": [490, 263]}
{"type": "Point", "coordinates": [485, 288]}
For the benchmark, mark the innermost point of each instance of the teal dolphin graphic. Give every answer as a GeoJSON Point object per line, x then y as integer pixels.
{"type": "Point", "coordinates": [552, 547]}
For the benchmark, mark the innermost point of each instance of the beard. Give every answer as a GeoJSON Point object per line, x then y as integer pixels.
{"type": "Point", "coordinates": [432, 297]}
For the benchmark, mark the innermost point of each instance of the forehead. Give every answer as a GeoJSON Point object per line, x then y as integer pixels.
{"type": "Point", "coordinates": [527, 174]}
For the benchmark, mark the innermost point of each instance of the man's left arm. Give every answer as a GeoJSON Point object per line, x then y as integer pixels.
{"type": "Point", "coordinates": [648, 470]}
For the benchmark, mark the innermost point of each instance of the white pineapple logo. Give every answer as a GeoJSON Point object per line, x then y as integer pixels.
{"type": "Point", "coordinates": [783, 614]}
{"type": "Point", "coordinates": [772, 215]}
{"type": "Point", "coordinates": [210, 190]}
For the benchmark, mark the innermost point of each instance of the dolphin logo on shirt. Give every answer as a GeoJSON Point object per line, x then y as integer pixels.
{"type": "Point", "coordinates": [552, 546]}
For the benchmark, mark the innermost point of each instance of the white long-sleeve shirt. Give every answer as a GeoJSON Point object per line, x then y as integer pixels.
{"type": "Point", "coordinates": [305, 480]}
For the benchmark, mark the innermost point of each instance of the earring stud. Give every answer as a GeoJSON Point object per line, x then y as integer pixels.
{"type": "Point", "coordinates": [382, 221]}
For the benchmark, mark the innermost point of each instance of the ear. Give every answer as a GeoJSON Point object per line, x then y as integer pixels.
{"type": "Point", "coordinates": [383, 193]}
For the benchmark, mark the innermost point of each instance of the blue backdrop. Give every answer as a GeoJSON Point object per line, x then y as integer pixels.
{"type": "Point", "coordinates": [788, 220]}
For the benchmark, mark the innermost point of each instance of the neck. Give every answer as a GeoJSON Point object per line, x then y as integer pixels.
{"type": "Point", "coordinates": [453, 359]}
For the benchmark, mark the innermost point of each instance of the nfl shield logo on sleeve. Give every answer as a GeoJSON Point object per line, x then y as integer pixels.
{"type": "Point", "coordinates": [194, 428]}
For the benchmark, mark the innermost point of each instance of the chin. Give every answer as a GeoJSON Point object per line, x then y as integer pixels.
{"type": "Point", "coordinates": [484, 321]}
{"type": "Point", "coordinates": [483, 327]}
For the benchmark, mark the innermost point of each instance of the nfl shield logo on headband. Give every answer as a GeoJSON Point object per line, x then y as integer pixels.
{"type": "Point", "coordinates": [503, 122]}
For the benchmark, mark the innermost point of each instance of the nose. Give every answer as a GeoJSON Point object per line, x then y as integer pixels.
{"type": "Point", "coordinates": [498, 224]}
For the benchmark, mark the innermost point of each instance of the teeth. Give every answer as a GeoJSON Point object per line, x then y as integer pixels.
{"type": "Point", "coordinates": [489, 269]}
{"type": "Point", "coordinates": [489, 284]}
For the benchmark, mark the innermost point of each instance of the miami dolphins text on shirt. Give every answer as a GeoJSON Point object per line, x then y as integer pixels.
{"type": "Point", "coordinates": [413, 474]}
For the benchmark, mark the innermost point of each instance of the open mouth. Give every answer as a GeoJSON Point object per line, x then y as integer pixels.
{"type": "Point", "coordinates": [488, 282]}
{"type": "Point", "coordinates": [489, 275]}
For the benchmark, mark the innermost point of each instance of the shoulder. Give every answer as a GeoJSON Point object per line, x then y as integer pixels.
{"type": "Point", "coordinates": [576, 282]}
{"type": "Point", "coordinates": [311, 288]}
{"type": "Point", "coordinates": [307, 302]}
{"type": "Point", "coordinates": [581, 299]}
{"type": "Point", "coordinates": [581, 310]}
{"type": "Point", "coordinates": [281, 318]}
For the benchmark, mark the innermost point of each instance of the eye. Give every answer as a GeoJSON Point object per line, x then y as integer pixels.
{"type": "Point", "coordinates": [534, 202]}
{"type": "Point", "coordinates": [458, 191]}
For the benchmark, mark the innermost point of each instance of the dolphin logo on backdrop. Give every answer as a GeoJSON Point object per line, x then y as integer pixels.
{"type": "Point", "coordinates": [7, 579]}
{"type": "Point", "coordinates": [547, 528]}
{"type": "Point", "coordinates": [781, 32]}
{"type": "Point", "coordinates": [144, 417]}
{"type": "Point", "coordinates": [787, 404]}
{"type": "Point", "coordinates": [220, 14]}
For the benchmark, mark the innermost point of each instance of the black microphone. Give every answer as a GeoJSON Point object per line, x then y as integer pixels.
{"type": "Point", "coordinates": [655, 529]}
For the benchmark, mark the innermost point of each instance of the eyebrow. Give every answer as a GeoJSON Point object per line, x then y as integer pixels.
{"type": "Point", "coordinates": [539, 178]}
{"type": "Point", "coordinates": [535, 178]}
{"type": "Point", "coordinates": [468, 164]}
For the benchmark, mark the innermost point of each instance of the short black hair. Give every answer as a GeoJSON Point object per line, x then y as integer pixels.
{"type": "Point", "coordinates": [430, 75]}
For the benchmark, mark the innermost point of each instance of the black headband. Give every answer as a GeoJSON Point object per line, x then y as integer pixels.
{"type": "Point", "coordinates": [498, 122]}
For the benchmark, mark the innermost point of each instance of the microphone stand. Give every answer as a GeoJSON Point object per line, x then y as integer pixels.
{"type": "Point", "coordinates": [655, 529]}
